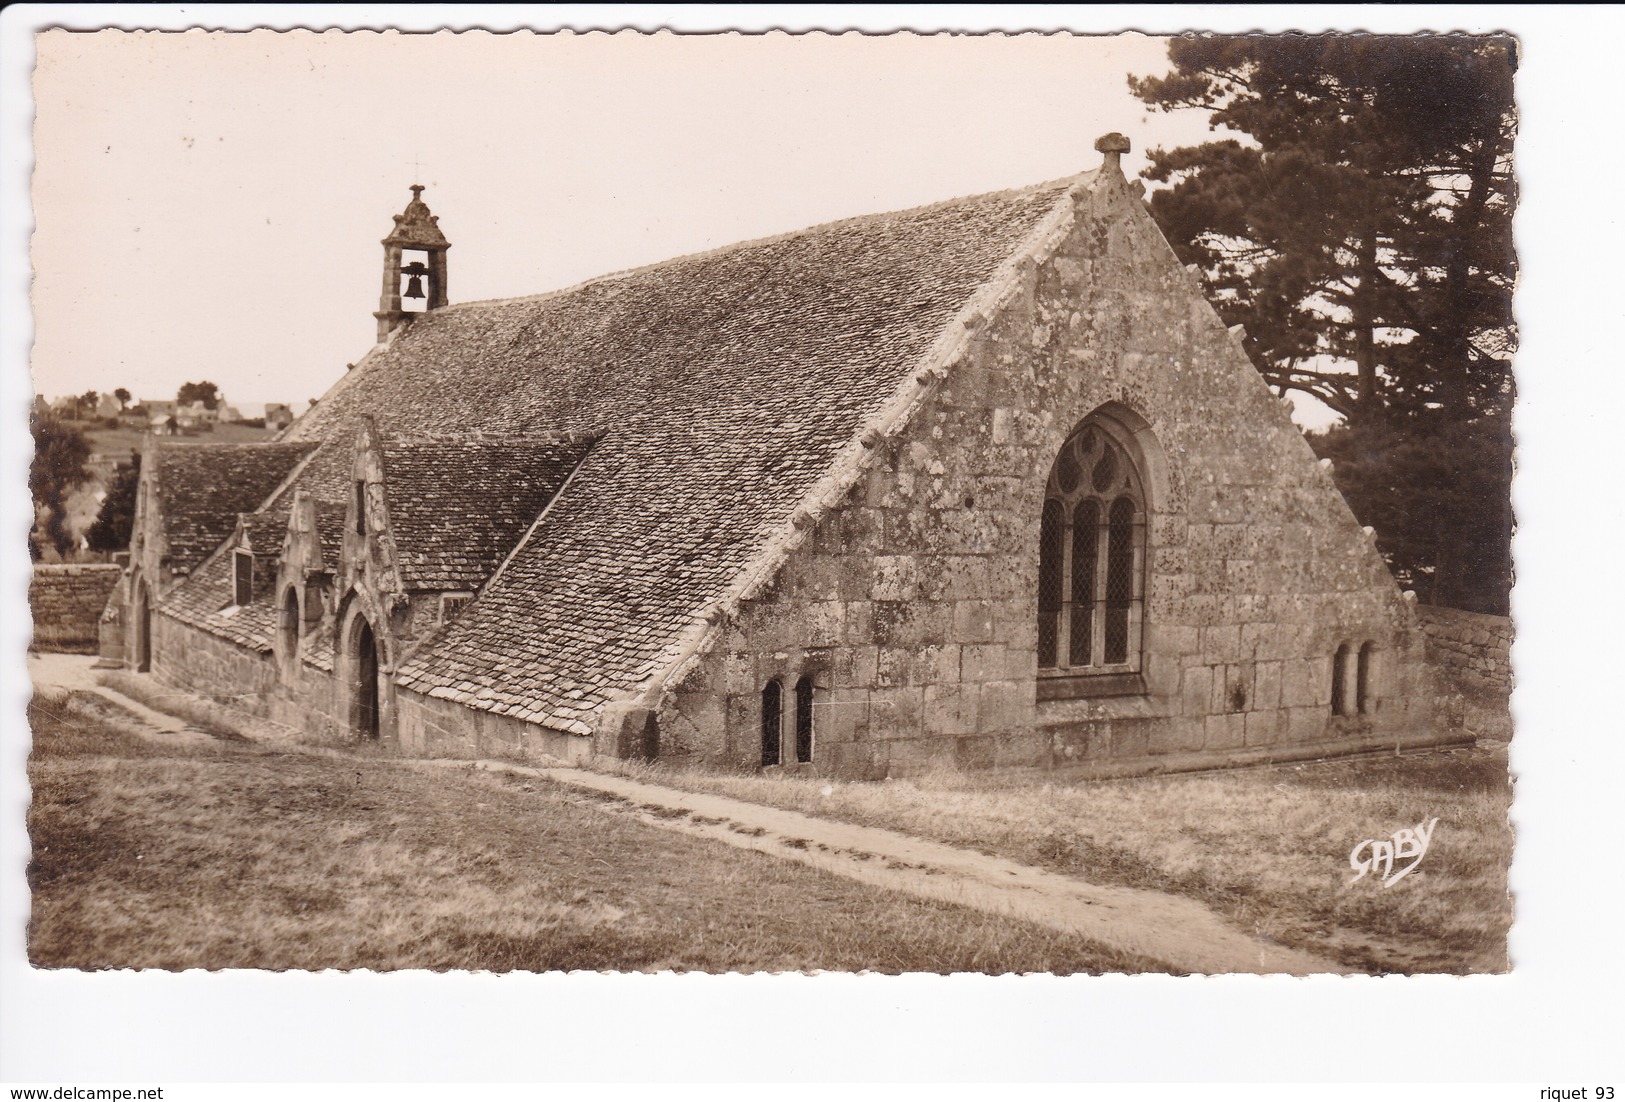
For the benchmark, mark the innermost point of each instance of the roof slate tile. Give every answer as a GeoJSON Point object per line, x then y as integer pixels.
{"type": "Point", "coordinates": [719, 388]}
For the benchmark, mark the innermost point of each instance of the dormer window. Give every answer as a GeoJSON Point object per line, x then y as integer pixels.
{"type": "Point", "coordinates": [242, 577]}
{"type": "Point", "coordinates": [451, 604]}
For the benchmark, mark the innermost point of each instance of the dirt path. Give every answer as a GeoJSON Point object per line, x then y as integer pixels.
{"type": "Point", "coordinates": [58, 674]}
{"type": "Point", "coordinates": [1169, 928]}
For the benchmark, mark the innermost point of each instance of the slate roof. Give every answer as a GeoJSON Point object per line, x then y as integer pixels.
{"type": "Point", "coordinates": [206, 600]}
{"type": "Point", "coordinates": [723, 385]}
{"type": "Point", "coordinates": [204, 486]}
{"type": "Point", "coordinates": [458, 506]}
{"type": "Point", "coordinates": [330, 531]}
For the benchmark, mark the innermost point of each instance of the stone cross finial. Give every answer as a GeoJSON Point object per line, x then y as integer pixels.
{"type": "Point", "coordinates": [1113, 145]}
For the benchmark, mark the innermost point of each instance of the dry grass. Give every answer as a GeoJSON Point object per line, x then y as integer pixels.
{"type": "Point", "coordinates": [1268, 848]}
{"type": "Point", "coordinates": [218, 720]}
{"type": "Point", "coordinates": [230, 855]}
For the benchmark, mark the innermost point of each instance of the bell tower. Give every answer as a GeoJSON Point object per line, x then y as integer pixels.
{"type": "Point", "coordinates": [414, 266]}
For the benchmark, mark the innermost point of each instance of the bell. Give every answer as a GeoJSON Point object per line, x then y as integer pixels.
{"type": "Point", "coordinates": [414, 285]}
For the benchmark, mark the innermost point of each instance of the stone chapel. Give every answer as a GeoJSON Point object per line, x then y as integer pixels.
{"type": "Point", "coordinates": [985, 483]}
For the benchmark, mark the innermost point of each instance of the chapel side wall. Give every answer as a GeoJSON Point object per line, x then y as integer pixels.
{"type": "Point", "coordinates": [195, 661]}
{"type": "Point", "coordinates": [309, 700]}
{"type": "Point", "coordinates": [429, 727]}
{"type": "Point", "coordinates": [913, 602]}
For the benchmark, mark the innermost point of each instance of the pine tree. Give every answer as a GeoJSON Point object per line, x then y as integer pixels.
{"type": "Point", "coordinates": [1360, 229]}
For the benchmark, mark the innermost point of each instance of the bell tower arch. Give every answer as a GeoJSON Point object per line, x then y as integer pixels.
{"type": "Point", "coordinates": [414, 266]}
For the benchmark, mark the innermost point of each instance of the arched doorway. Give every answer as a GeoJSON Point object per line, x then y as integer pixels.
{"type": "Point", "coordinates": [143, 630]}
{"type": "Point", "coordinates": [364, 715]}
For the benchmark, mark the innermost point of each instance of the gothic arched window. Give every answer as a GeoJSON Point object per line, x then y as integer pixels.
{"type": "Point", "coordinates": [1091, 567]}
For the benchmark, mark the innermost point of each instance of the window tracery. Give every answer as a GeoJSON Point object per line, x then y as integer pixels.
{"type": "Point", "coordinates": [1091, 561]}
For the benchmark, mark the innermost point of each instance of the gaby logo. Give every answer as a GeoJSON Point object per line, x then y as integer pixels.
{"type": "Point", "coordinates": [1379, 855]}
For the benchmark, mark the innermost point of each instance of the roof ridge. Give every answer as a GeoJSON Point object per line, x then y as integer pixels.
{"type": "Point", "coordinates": [264, 507]}
{"type": "Point", "coordinates": [545, 438]}
{"type": "Point", "coordinates": [769, 239]}
{"type": "Point", "coordinates": [163, 442]}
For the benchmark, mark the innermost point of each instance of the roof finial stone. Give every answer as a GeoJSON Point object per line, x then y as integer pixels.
{"type": "Point", "coordinates": [417, 227]}
{"type": "Point", "coordinates": [1113, 145]}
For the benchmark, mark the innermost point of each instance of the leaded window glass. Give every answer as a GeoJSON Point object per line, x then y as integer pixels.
{"type": "Point", "coordinates": [1119, 580]}
{"type": "Point", "coordinates": [1091, 557]}
{"type": "Point", "coordinates": [1085, 545]}
{"type": "Point", "coordinates": [1051, 559]}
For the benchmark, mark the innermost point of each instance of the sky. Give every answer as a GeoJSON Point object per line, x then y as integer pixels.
{"type": "Point", "coordinates": [209, 206]}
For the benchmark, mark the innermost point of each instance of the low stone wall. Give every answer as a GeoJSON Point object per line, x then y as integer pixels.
{"type": "Point", "coordinates": [1473, 654]}
{"type": "Point", "coordinates": [435, 728]}
{"type": "Point", "coordinates": [184, 657]}
{"type": "Point", "coordinates": [67, 602]}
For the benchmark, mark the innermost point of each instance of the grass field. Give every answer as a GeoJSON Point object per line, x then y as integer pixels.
{"type": "Point", "coordinates": [121, 441]}
{"type": "Point", "coordinates": [232, 855]}
{"type": "Point", "coordinates": [1268, 848]}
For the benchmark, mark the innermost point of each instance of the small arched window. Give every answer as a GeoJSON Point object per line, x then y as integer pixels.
{"type": "Point", "coordinates": [772, 720]}
{"type": "Point", "coordinates": [1340, 662]}
{"type": "Point", "coordinates": [804, 720]}
{"type": "Point", "coordinates": [1091, 564]}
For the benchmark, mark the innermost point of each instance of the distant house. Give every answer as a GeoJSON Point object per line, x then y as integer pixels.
{"type": "Point", "coordinates": [277, 415]}
{"type": "Point", "coordinates": [160, 417]}
{"type": "Point", "coordinates": [197, 416]}
{"type": "Point", "coordinates": [229, 415]}
{"type": "Point", "coordinates": [108, 406]}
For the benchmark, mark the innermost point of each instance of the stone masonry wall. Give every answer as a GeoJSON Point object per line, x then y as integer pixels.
{"type": "Point", "coordinates": [67, 602]}
{"type": "Point", "coordinates": [198, 662]}
{"type": "Point", "coordinates": [1474, 653]}
{"type": "Point", "coordinates": [311, 701]}
{"type": "Point", "coordinates": [912, 603]}
{"type": "Point", "coordinates": [1471, 647]}
{"type": "Point", "coordinates": [434, 728]}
